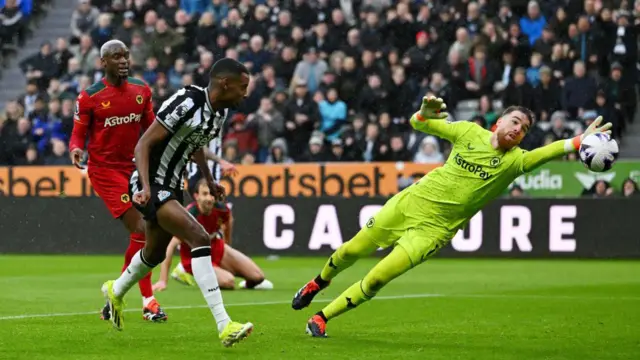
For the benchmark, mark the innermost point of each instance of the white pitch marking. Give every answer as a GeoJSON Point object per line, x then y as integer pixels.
{"type": "Point", "coordinates": [390, 297]}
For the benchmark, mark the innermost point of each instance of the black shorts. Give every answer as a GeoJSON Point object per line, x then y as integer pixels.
{"type": "Point", "coordinates": [160, 195]}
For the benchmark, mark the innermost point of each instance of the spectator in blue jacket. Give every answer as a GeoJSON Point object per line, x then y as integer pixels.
{"type": "Point", "coordinates": [219, 8]}
{"type": "Point", "coordinates": [533, 24]}
{"type": "Point", "coordinates": [193, 7]}
{"type": "Point", "coordinates": [333, 112]}
{"type": "Point", "coordinates": [46, 126]}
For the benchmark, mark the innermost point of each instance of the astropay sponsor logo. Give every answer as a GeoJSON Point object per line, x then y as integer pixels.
{"type": "Point", "coordinates": [541, 181]}
{"type": "Point", "coordinates": [116, 120]}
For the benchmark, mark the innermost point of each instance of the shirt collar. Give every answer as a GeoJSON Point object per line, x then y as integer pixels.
{"type": "Point", "coordinates": [206, 93]}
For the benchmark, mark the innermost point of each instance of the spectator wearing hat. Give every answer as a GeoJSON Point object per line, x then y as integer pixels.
{"type": "Point", "coordinates": [278, 153]}
{"type": "Point", "coordinates": [548, 95]}
{"type": "Point", "coordinates": [621, 93]}
{"type": "Point", "coordinates": [244, 135]}
{"type": "Point", "coordinates": [429, 152]}
{"type": "Point", "coordinates": [337, 152]}
{"type": "Point", "coordinates": [125, 31]}
{"type": "Point", "coordinates": [559, 129]}
{"type": "Point", "coordinates": [315, 151]}
{"type": "Point", "coordinates": [519, 92]}
{"type": "Point", "coordinates": [579, 91]}
{"type": "Point", "coordinates": [418, 60]}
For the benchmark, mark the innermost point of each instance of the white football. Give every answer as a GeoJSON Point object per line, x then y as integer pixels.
{"type": "Point", "coordinates": [598, 152]}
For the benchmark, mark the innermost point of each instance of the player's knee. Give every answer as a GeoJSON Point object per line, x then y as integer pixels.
{"type": "Point", "coordinates": [155, 256]}
{"type": "Point", "coordinates": [200, 238]}
{"type": "Point", "coordinates": [372, 283]}
{"type": "Point", "coordinates": [256, 276]}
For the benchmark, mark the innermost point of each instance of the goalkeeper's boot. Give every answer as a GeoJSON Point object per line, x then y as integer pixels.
{"type": "Point", "coordinates": [153, 312]}
{"type": "Point", "coordinates": [305, 295]}
{"type": "Point", "coordinates": [115, 305]}
{"type": "Point", "coordinates": [235, 332]}
{"type": "Point", "coordinates": [317, 326]}
{"type": "Point", "coordinates": [178, 274]}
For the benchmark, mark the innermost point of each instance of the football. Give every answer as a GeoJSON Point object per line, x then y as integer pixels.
{"type": "Point", "coordinates": [598, 152]}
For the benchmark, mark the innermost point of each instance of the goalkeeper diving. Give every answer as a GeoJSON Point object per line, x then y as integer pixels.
{"type": "Point", "coordinates": [425, 216]}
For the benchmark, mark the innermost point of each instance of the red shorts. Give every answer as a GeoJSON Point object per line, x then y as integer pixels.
{"type": "Point", "coordinates": [112, 186]}
{"type": "Point", "coordinates": [217, 252]}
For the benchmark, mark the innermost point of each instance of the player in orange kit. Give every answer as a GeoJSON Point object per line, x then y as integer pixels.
{"type": "Point", "coordinates": [114, 112]}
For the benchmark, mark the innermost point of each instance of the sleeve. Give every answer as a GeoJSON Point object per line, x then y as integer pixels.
{"type": "Point", "coordinates": [532, 159]}
{"type": "Point", "coordinates": [81, 122]}
{"type": "Point", "coordinates": [176, 111]}
{"type": "Point", "coordinates": [451, 131]}
{"type": "Point", "coordinates": [149, 115]}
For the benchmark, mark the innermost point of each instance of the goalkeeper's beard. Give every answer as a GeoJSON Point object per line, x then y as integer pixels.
{"type": "Point", "coordinates": [504, 142]}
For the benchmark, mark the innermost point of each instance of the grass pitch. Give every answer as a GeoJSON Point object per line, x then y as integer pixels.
{"type": "Point", "coordinates": [444, 309]}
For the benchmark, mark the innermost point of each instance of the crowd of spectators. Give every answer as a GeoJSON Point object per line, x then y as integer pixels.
{"type": "Point", "coordinates": [337, 80]}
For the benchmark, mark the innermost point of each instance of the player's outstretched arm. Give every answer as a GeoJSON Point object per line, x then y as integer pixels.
{"type": "Point", "coordinates": [541, 155]}
{"type": "Point", "coordinates": [431, 119]}
{"type": "Point", "coordinates": [154, 135]}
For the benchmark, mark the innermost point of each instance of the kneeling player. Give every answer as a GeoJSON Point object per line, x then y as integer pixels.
{"type": "Point", "coordinates": [227, 261]}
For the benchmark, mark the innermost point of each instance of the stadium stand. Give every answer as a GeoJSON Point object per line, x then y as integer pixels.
{"type": "Point", "coordinates": [336, 80]}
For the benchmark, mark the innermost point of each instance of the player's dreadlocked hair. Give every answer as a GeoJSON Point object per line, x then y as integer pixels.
{"type": "Point", "coordinates": [227, 67]}
{"type": "Point", "coordinates": [526, 111]}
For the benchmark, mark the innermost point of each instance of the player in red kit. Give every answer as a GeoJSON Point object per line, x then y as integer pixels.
{"type": "Point", "coordinates": [227, 262]}
{"type": "Point", "coordinates": [114, 112]}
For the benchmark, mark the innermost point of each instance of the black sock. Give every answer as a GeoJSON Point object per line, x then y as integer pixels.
{"type": "Point", "coordinates": [321, 314]}
{"type": "Point", "coordinates": [322, 283]}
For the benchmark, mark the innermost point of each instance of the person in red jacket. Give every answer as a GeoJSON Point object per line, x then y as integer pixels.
{"type": "Point", "coordinates": [113, 112]}
{"type": "Point", "coordinates": [244, 134]}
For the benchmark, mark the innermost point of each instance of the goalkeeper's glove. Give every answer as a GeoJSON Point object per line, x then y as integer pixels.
{"type": "Point", "coordinates": [574, 144]}
{"type": "Point", "coordinates": [432, 108]}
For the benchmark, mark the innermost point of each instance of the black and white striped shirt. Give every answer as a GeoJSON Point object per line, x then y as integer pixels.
{"type": "Point", "coordinates": [193, 124]}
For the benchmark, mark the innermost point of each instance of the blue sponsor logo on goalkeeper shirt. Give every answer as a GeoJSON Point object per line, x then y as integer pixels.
{"type": "Point", "coordinates": [472, 168]}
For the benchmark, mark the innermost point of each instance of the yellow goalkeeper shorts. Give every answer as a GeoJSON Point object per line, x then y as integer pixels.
{"type": "Point", "coordinates": [404, 221]}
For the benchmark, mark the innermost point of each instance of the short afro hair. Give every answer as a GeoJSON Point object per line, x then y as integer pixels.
{"type": "Point", "coordinates": [227, 67]}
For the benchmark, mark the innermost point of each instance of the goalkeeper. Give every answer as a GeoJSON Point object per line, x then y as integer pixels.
{"type": "Point", "coordinates": [424, 217]}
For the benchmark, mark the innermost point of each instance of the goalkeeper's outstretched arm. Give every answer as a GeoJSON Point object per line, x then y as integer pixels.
{"type": "Point", "coordinates": [432, 119]}
{"type": "Point", "coordinates": [539, 156]}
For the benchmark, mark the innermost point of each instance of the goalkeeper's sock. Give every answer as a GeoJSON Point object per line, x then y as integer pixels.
{"type": "Point", "coordinates": [350, 299]}
{"type": "Point", "coordinates": [392, 266]}
{"type": "Point", "coordinates": [136, 270]}
{"type": "Point", "coordinates": [345, 256]}
{"type": "Point", "coordinates": [207, 281]}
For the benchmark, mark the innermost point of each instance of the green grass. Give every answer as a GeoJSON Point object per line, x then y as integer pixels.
{"type": "Point", "coordinates": [486, 309]}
